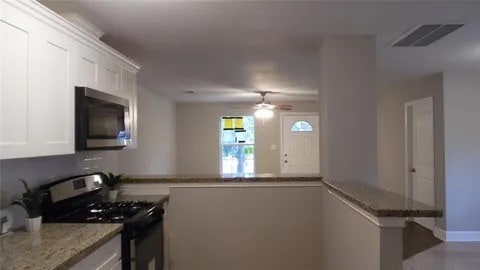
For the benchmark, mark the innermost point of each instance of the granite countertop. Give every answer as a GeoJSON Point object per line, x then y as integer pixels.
{"type": "Point", "coordinates": [225, 178]}
{"type": "Point", "coordinates": [381, 203]}
{"type": "Point", "coordinates": [378, 202]}
{"type": "Point", "coordinates": [55, 246]}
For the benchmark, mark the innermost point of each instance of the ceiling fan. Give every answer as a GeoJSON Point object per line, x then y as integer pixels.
{"type": "Point", "coordinates": [266, 104]}
{"type": "Point", "coordinates": [264, 108]}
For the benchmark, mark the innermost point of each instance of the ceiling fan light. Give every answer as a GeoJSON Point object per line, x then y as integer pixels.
{"type": "Point", "coordinates": [263, 113]}
{"type": "Point", "coordinates": [267, 106]}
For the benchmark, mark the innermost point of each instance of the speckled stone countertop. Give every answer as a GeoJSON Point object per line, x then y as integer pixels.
{"type": "Point", "coordinates": [378, 202]}
{"type": "Point", "coordinates": [381, 203]}
{"type": "Point", "coordinates": [226, 178]}
{"type": "Point", "coordinates": [55, 246]}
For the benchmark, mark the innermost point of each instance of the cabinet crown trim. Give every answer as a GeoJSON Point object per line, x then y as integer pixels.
{"type": "Point", "coordinates": [56, 21]}
{"type": "Point", "coordinates": [84, 24]}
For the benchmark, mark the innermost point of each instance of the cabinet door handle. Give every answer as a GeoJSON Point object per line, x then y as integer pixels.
{"type": "Point", "coordinates": [285, 161]}
{"type": "Point", "coordinates": [412, 170]}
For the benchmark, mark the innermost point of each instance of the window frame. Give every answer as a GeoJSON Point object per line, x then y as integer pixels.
{"type": "Point", "coordinates": [301, 130]}
{"type": "Point", "coordinates": [220, 144]}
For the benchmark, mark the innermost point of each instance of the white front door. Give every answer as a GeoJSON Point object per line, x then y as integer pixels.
{"type": "Point", "coordinates": [300, 144]}
{"type": "Point", "coordinates": [422, 149]}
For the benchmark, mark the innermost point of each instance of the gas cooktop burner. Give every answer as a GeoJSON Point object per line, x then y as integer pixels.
{"type": "Point", "coordinates": [93, 218]}
{"type": "Point", "coordinates": [110, 212]}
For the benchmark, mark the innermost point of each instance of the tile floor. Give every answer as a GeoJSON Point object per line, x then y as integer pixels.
{"type": "Point", "coordinates": [446, 256]}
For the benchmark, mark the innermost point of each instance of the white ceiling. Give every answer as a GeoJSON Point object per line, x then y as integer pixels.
{"type": "Point", "coordinates": [223, 50]}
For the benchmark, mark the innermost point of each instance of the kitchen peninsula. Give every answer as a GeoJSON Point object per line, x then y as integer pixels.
{"type": "Point", "coordinates": [216, 217]}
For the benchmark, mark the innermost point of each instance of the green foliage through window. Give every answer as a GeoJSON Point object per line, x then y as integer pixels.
{"type": "Point", "coordinates": [237, 137]}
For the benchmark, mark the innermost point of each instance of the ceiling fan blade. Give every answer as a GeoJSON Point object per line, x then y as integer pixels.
{"type": "Point", "coordinates": [288, 93]}
{"type": "Point", "coordinates": [264, 104]}
{"type": "Point", "coordinates": [241, 107]}
{"type": "Point", "coordinates": [284, 107]}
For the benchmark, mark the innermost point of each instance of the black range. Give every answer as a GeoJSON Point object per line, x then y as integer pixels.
{"type": "Point", "coordinates": [78, 199]}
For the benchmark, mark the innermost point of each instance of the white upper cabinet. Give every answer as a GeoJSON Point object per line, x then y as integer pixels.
{"type": "Point", "coordinates": [110, 73]}
{"type": "Point", "coordinates": [54, 96]}
{"type": "Point", "coordinates": [129, 90]}
{"type": "Point", "coordinates": [18, 47]}
{"type": "Point", "coordinates": [88, 67]}
{"type": "Point", "coordinates": [37, 109]}
{"type": "Point", "coordinates": [42, 59]}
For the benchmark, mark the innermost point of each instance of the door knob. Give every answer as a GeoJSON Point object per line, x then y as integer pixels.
{"type": "Point", "coordinates": [285, 161]}
{"type": "Point", "coordinates": [412, 170]}
{"type": "Point", "coordinates": [285, 155]}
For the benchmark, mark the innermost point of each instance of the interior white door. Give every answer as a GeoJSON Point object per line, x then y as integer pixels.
{"type": "Point", "coordinates": [423, 188]}
{"type": "Point", "coordinates": [300, 144]}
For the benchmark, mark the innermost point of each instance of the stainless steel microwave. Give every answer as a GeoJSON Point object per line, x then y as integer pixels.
{"type": "Point", "coordinates": [102, 120]}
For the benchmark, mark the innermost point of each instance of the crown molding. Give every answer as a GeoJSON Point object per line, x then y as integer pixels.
{"type": "Point", "coordinates": [61, 24]}
{"type": "Point", "coordinates": [84, 24]}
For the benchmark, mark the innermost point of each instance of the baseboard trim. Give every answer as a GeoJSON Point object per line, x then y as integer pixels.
{"type": "Point", "coordinates": [456, 236]}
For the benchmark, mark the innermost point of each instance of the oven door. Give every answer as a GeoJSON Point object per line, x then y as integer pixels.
{"type": "Point", "coordinates": [145, 251]}
{"type": "Point", "coordinates": [102, 120]}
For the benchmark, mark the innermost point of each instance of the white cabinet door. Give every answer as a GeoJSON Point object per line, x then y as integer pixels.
{"type": "Point", "coordinates": [129, 90]}
{"type": "Point", "coordinates": [106, 257]}
{"type": "Point", "coordinates": [88, 67]}
{"type": "Point", "coordinates": [18, 48]}
{"type": "Point", "coordinates": [109, 76]}
{"type": "Point", "coordinates": [36, 95]}
{"type": "Point", "coordinates": [54, 101]}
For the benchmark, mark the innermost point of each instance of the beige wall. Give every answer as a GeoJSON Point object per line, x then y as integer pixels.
{"type": "Point", "coordinates": [348, 101]}
{"type": "Point", "coordinates": [198, 126]}
{"type": "Point", "coordinates": [240, 228]}
{"type": "Point", "coordinates": [155, 153]}
{"type": "Point", "coordinates": [391, 133]}
{"type": "Point", "coordinates": [462, 148]}
{"type": "Point", "coordinates": [351, 241]}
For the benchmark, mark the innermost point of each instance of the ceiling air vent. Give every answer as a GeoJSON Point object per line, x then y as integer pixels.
{"type": "Point", "coordinates": [425, 35]}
